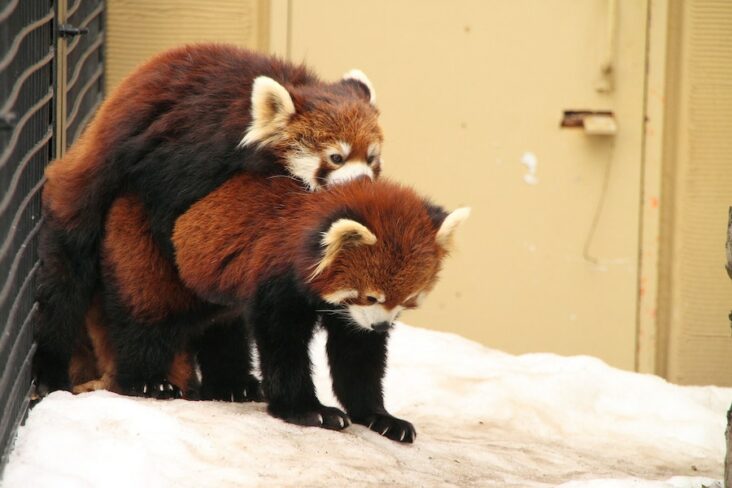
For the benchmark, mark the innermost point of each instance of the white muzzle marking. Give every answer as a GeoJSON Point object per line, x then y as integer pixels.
{"type": "Point", "coordinates": [367, 316]}
{"type": "Point", "coordinates": [350, 171]}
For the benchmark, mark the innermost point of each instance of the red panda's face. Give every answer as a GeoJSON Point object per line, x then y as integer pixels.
{"type": "Point", "coordinates": [372, 273]}
{"type": "Point", "coordinates": [324, 134]}
{"type": "Point", "coordinates": [373, 286]}
{"type": "Point", "coordinates": [331, 143]}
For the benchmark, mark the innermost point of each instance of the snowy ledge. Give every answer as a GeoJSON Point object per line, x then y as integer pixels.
{"type": "Point", "coordinates": [484, 418]}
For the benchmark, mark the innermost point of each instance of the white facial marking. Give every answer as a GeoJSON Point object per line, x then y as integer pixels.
{"type": "Point", "coordinates": [350, 171]}
{"type": "Point", "coordinates": [304, 165]}
{"type": "Point", "coordinates": [374, 149]}
{"type": "Point", "coordinates": [337, 297]}
{"type": "Point", "coordinates": [345, 149]}
{"type": "Point", "coordinates": [380, 297]}
{"type": "Point", "coordinates": [368, 315]}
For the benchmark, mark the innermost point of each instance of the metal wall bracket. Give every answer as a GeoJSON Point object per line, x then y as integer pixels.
{"type": "Point", "coordinates": [68, 30]}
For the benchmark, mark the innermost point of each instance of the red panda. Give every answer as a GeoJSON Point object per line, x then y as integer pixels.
{"type": "Point", "coordinates": [350, 257]}
{"type": "Point", "coordinates": [175, 129]}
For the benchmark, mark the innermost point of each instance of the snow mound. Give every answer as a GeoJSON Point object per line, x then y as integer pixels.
{"type": "Point", "coordinates": [484, 418]}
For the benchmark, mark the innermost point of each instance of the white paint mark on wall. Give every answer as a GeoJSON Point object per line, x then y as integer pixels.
{"type": "Point", "coordinates": [531, 162]}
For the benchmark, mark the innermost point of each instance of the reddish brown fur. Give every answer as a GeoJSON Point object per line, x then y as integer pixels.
{"type": "Point", "coordinates": [348, 121]}
{"type": "Point", "coordinates": [171, 76]}
{"type": "Point", "coordinates": [147, 282]}
{"type": "Point", "coordinates": [233, 239]}
{"type": "Point", "coordinates": [83, 365]}
{"type": "Point", "coordinates": [92, 365]}
{"type": "Point", "coordinates": [182, 371]}
{"type": "Point", "coordinates": [69, 177]}
{"type": "Point", "coordinates": [250, 228]}
{"type": "Point", "coordinates": [165, 123]}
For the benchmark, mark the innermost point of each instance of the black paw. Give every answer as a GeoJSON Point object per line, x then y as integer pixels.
{"type": "Point", "coordinates": [389, 426]}
{"type": "Point", "coordinates": [248, 391]}
{"type": "Point", "coordinates": [49, 375]}
{"type": "Point", "coordinates": [160, 390]}
{"type": "Point", "coordinates": [326, 417]}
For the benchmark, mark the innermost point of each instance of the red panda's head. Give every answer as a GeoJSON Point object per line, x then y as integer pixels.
{"type": "Point", "coordinates": [325, 133]}
{"type": "Point", "coordinates": [382, 253]}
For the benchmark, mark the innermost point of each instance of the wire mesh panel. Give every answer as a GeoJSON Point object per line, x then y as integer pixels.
{"type": "Point", "coordinates": [26, 130]}
{"type": "Point", "coordinates": [85, 69]}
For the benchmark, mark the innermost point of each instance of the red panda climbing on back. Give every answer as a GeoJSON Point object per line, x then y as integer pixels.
{"type": "Point", "coordinates": [175, 129]}
{"type": "Point", "coordinates": [351, 257]}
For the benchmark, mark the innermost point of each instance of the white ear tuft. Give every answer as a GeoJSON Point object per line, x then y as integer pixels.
{"type": "Point", "coordinates": [451, 222]}
{"type": "Point", "coordinates": [360, 76]}
{"type": "Point", "coordinates": [342, 233]}
{"type": "Point", "coordinates": [272, 107]}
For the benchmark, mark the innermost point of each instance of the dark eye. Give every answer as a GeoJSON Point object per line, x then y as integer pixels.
{"type": "Point", "coordinates": [336, 158]}
{"type": "Point", "coordinates": [372, 300]}
{"type": "Point", "coordinates": [371, 159]}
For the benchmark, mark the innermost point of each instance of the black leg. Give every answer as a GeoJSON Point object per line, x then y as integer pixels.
{"type": "Point", "coordinates": [144, 358]}
{"type": "Point", "coordinates": [225, 359]}
{"type": "Point", "coordinates": [283, 322]}
{"type": "Point", "coordinates": [66, 281]}
{"type": "Point", "coordinates": [357, 364]}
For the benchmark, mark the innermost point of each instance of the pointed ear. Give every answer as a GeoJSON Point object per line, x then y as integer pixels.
{"type": "Point", "coordinates": [448, 226]}
{"type": "Point", "coordinates": [272, 107]}
{"type": "Point", "coordinates": [358, 76]}
{"type": "Point", "coordinates": [341, 233]}
{"type": "Point", "coordinates": [437, 214]}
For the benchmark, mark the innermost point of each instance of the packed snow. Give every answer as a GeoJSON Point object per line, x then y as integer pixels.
{"type": "Point", "coordinates": [484, 418]}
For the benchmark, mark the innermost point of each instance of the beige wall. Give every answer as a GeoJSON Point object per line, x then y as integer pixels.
{"type": "Point", "coordinates": [467, 88]}
{"type": "Point", "coordinates": [696, 293]}
{"type": "Point", "coordinates": [137, 29]}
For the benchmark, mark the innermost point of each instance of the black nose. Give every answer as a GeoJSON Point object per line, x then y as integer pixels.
{"type": "Point", "coordinates": [382, 326]}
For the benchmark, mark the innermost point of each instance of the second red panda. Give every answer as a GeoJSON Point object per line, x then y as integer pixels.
{"type": "Point", "coordinates": [350, 257]}
{"type": "Point", "coordinates": [175, 129]}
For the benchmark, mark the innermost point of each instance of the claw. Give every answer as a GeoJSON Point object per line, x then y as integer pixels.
{"type": "Point", "coordinates": [144, 389]}
{"type": "Point", "coordinates": [385, 430]}
{"type": "Point", "coordinates": [401, 437]}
